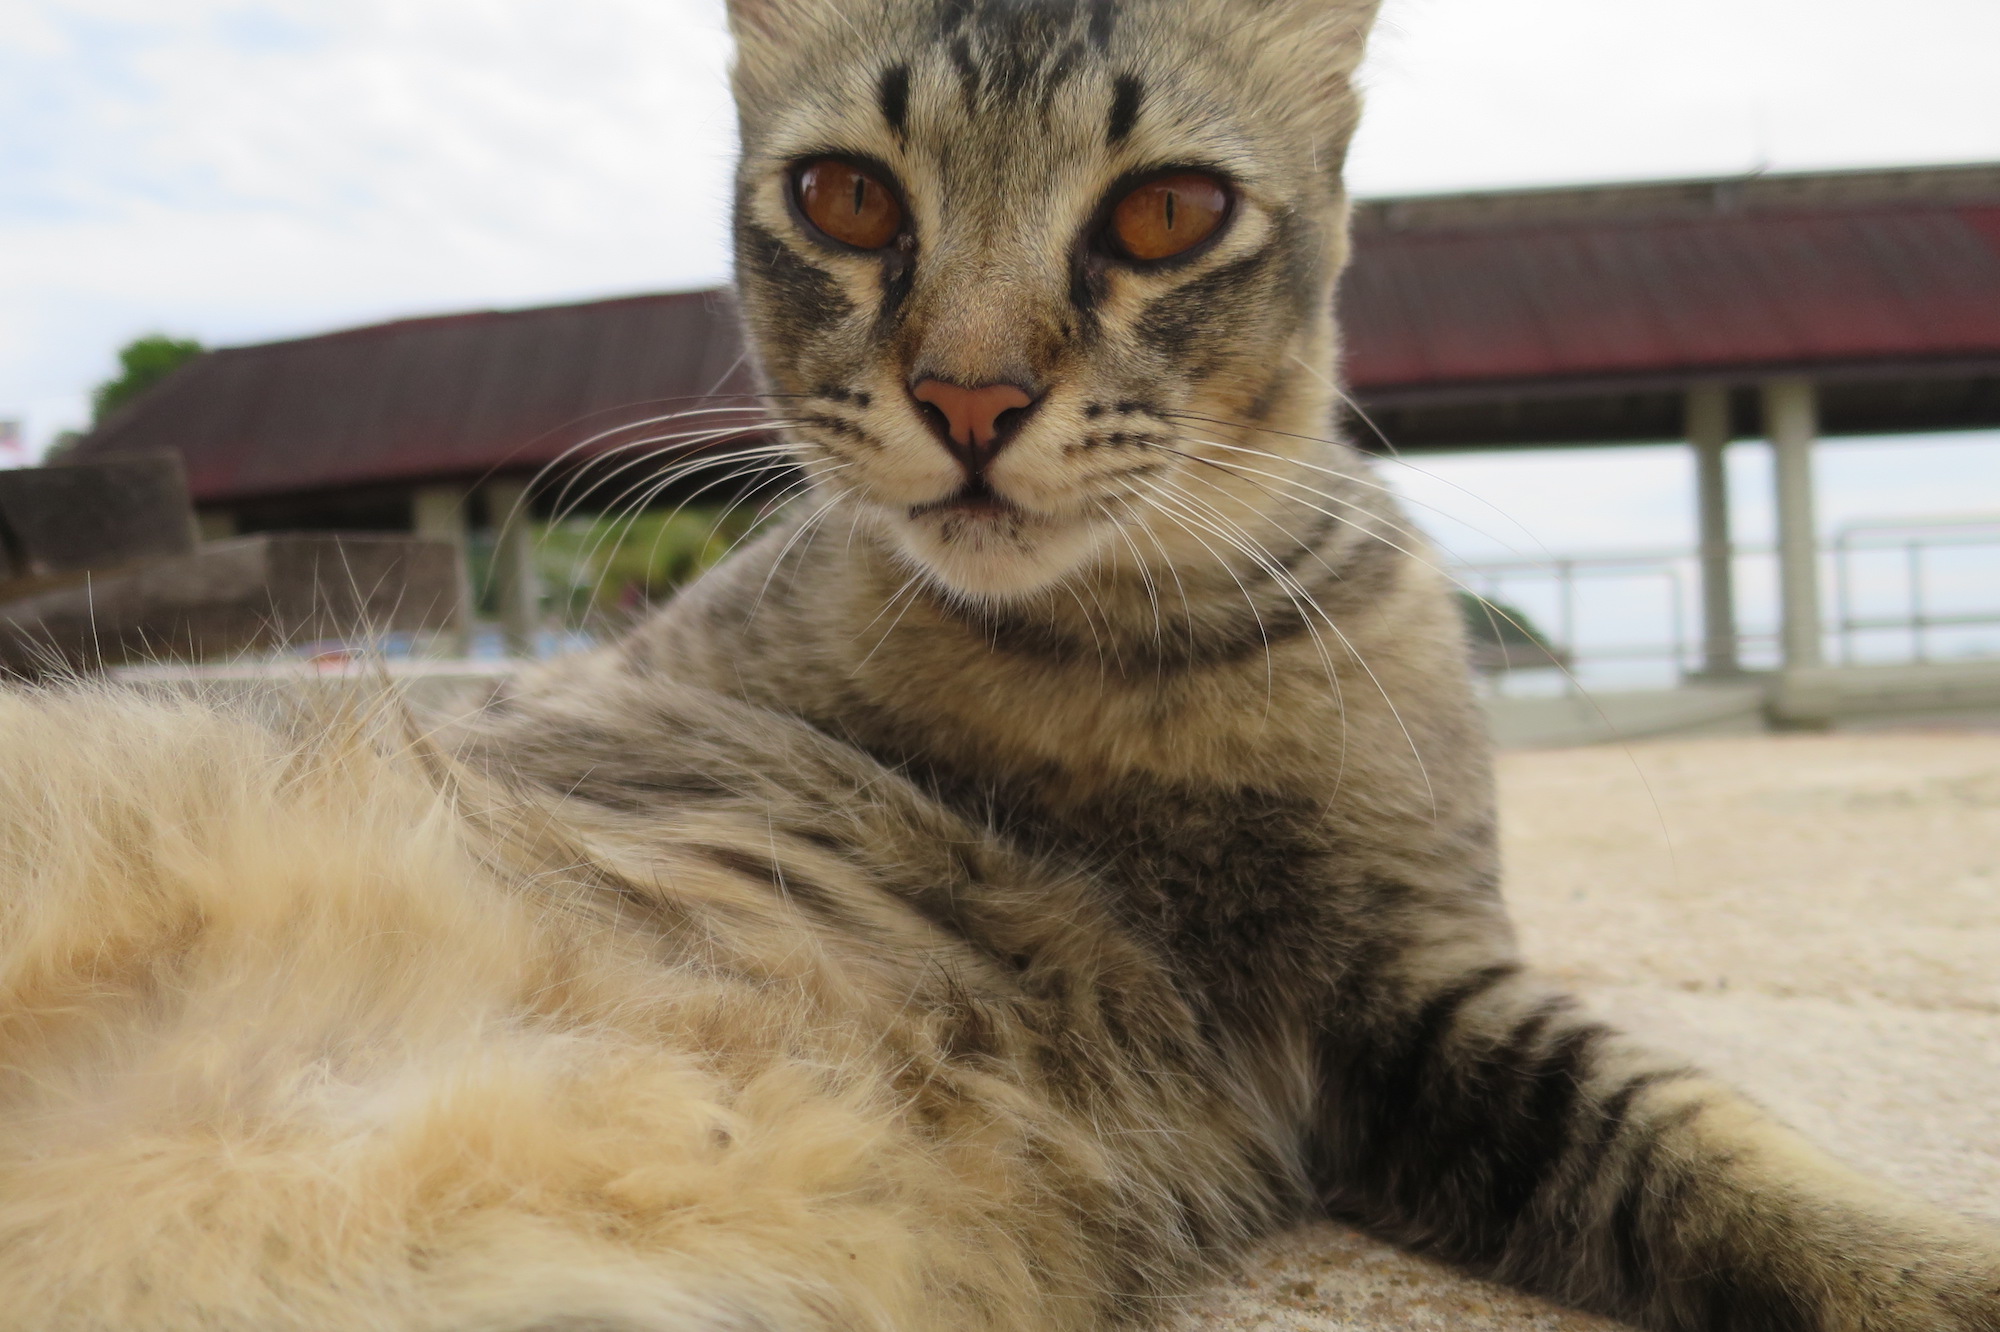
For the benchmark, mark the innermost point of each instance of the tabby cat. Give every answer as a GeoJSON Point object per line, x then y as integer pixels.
{"type": "Point", "coordinates": [1059, 853]}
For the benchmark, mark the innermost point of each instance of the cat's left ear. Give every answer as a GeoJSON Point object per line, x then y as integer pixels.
{"type": "Point", "coordinates": [1306, 52]}
{"type": "Point", "coordinates": [1317, 43]}
{"type": "Point", "coordinates": [761, 26]}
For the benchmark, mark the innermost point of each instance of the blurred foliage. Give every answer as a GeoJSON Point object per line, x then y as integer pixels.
{"type": "Point", "coordinates": [614, 569]}
{"type": "Point", "coordinates": [143, 362]}
{"type": "Point", "coordinates": [62, 446]}
{"type": "Point", "coordinates": [1503, 638]}
{"type": "Point", "coordinates": [1501, 624]}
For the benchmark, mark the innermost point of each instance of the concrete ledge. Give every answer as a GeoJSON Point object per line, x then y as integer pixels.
{"type": "Point", "coordinates": [1591, 719]}
{"type": "Point", "coordinates": [1824, 695]}
{"type": "Point", "coordinates": [431, 686]}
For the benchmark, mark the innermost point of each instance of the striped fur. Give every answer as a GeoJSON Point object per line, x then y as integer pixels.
{"type": "Point", "coordinates": [992, 921]}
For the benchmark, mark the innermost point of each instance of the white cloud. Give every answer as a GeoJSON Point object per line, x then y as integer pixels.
{"type": "Point", "coordinates": [245, 170]}
{"type": "Point", "coordinates": [1470, 93]}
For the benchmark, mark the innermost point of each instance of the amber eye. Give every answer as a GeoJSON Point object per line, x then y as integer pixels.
{"type": "Point", "coordinates": [849, 205]}
{"type": "Point", "coordinates": [1169, 215]}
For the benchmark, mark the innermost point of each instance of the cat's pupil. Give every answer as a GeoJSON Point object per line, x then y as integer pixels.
{"type": "Point", "coordinates": [861, 194]}
{"type": "Point", "coordinates": [1170, 210]}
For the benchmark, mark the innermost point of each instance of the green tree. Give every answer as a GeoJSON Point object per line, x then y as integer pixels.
{"type": "Point", "coordinates": [143, 362]}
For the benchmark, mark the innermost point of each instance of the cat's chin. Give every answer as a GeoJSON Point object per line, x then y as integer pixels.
{"type": "Point", "coordinates": [993, 557]}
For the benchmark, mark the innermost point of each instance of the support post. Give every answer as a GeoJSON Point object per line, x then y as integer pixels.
{"type": "Point", "coordinates": [439, 513]}
{"type": "Point", "coordinates": [1708, 433]}
{"type": "Point", "coordinates": [515, 586]}
{"type": "Point", "coordinates": [1791, 419]}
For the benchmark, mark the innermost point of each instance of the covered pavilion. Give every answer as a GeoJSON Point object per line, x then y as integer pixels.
{"type": "Point", "coordinates": [1791, 306]}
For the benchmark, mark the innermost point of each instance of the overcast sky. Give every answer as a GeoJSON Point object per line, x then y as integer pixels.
{"type": "Point", "coordinates": [236, 170]}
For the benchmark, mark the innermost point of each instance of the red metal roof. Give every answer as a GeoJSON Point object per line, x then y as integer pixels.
{"type": "Point", "coordinates": [457, 396]}
{"type": "Point", "coordinates": [1671, 289]}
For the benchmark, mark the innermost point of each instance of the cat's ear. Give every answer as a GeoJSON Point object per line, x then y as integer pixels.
{"type": "Point", "coordinates": [768, 25]}
{"type": "Point", "coordinates": [1322, 41]}
{"type": "Point", "coordinates": [1307, 52]}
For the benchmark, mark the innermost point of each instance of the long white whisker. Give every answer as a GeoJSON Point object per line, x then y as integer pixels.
{"type": "Point", "coordinates": [1352, 478]}
{"type": "Point", "coordinates": [643, 423]}
{"type": "Point", "coordinates": [786, 492]}
{"type": "Point", "coordinates": [1278, 574]}
{"type": "Point", "coordinates": [784, 550]}
{"type": "Point", "coordinates": [1404, 529]}
{"type": "Point", "coordinates": [642, 492]}
{"type": "Point", "coordinates": [1233, 533]}
{"type": "Point", "coordinates": [1370, 482]}
{"type": "Point", "coordinates": [913, 581]}
{"type": "Point", "coordinates": [1180, 587]}
{"type": "Point", "coordinates": [638, 497]}
{"type": "Point", "coordinates": [614, 532]}
{"type": "Point", "coordinates": [1491, 609]}
{"type": "Point", "coordinates": [889, 601]}
{"type": "Point", "coordinates": [1244, 472]}
{"type": "Point", "coordinates": [562, 506]}
{"type": "Point", "coordinates": [657, 446]}
{"type": "Point", "coordinates": [1145, 581]}
{"type": "Point", "coordinates": [1270, 670]}
{"type": "Point", "coordinates": [1299, 599]}
{"type": "Point", "coordinates": [1348, 401]}
{"type": "Point", "coordinates": [1092, 626]}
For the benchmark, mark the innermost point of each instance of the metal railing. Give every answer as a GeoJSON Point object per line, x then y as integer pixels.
{"type": "Point", "coordinates": [1915, 539]}
{"type": "Point", "coordinates": [1497, 582]}
{"type": "Point", "coordinates": [1916, 610]}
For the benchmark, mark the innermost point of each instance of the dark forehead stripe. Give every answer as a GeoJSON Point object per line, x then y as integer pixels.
{"type": "Point", "coordinates": [892, 93]}
{"type": "Point", "coordinates": [1101, 15]}
{"type": "Point", "coordinates": [967, 67]}
{"type": "Point", "coordinates": [1009, 50]}
{"type": "Point", "coordinates": [1103, 18]}
{"type": "Point", "coordinates": [1128, 95]}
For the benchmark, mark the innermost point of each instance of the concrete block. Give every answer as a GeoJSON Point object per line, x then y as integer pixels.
{"type": "Point", "coordinates": [229, 597]}
{"type": "Point", "coordinates": [64, 520]}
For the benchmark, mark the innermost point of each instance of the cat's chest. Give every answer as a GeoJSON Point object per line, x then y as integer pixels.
{"type": "Point", "coordinates": [1230, 878]}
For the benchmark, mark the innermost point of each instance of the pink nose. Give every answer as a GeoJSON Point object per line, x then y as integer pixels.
{"type": "Point", "coordinates": [974, 431]}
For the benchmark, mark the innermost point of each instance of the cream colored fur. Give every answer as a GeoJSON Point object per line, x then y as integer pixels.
{"type": "Point", "coordinates": [287, 1041]}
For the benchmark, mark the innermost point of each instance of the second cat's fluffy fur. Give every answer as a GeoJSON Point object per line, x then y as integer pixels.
{"type": "Point", "coordinates": [1056, 855]}
{"type": "Point", "coordinates": [303, 1030]}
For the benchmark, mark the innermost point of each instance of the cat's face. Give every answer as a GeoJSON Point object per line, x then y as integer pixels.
{"type": "Point", "coordinates": [1008, 262]}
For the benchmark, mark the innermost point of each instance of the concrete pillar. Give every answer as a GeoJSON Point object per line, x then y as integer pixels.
{"type": "Point", "coordinates": [515, 587]}
{"type": "Point", "coordinates": [439, 512]}
{"type": "Point", "coordinates": [1791, 419]}
{"type": "Point", "coordinates": [1708, 432]}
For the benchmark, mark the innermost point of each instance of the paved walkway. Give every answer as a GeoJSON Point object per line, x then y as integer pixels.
{"type": "Point", "coordinates": [1815, 918]}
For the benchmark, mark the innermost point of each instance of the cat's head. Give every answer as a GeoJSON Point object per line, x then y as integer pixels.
{"type": "Point", "coordinates": [1010, 265]}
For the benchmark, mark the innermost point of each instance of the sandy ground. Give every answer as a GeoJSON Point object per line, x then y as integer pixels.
{"type": "Point", "coordinates": [1815, 918]}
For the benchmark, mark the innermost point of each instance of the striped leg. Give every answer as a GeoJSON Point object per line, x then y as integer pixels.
{"type": "Point", "coordinates": [1482, 1119]}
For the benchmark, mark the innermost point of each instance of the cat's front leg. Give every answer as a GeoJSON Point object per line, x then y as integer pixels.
{"type": "Point", "coordinates": [1480, 1117]}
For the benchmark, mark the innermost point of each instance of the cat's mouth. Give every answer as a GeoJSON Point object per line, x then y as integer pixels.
{"type": "Point", "coordinates": [982, 544]}
{"type": "Point", "coordinates": [975, 499]}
